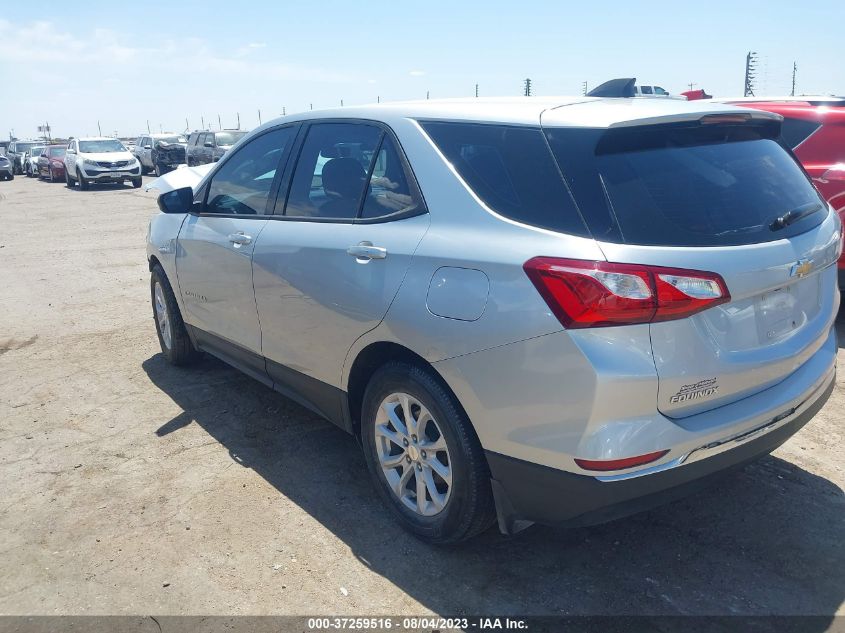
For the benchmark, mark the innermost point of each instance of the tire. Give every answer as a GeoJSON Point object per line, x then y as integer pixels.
{"type": "Point", "coordinates": [173, 337]}
{"type": "Point", "coordinates": [136, 182]}
{"type": "Point", "coordinates": [83, 184]}
{"type": "Point", "coordinates": [68, 180]}
{"type": "Point", "coordinates": [468, 509]}
{"type": "Point", "coordinates": [52, 175]}
{"type": "Point", "coordinates": [158, 170]}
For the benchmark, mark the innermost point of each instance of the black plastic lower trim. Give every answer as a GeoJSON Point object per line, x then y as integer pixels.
{"type": "Point", "coordinates": [527, 493]}
{"type": "Point", "coordinates": [841, 279]}
{"type": "Point", "coordinates": [322, 398]}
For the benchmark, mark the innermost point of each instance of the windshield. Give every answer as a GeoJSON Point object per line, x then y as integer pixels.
{"type": "Point", "coordinates": [103, 146]}
{"type": "Point", "coordinates": [685, 186]}
{"type": "Point", "coordinates": [57, 152]}
{"type": "Point", "coordinates": [36, 150]}
{"type": "Point", "coordinates": [228, 138]}
{"type": "Point", "coordinates": [21, 148]}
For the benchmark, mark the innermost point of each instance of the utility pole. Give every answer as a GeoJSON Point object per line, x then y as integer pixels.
{"type": "Point", "coordinates": [584, 88]}
{"type": "Point", "coordinates": [239, 119]}
{"type": "Point", "coordinates": [311, 106]}
{"type": "Point", "coordinates": [427, 94]}
{"type": "Point", "coordinates": [219, 124]}
{"type": "Point", "coordinates": [202, 119]}
{"type": "Point", "coordinates": [794, 72]}
{"type": "Point", "coordinates": [476, 91]}
{"type": "Point", "coordinates": [691, 84]}
{"type": "Point", "coordinates": [284, 111]}
{"type": "Point", "coordinates": [527, 87]}
{"type": "Point", "coordinates": [378, 99]}
{"type": "Point", "coordinates": [148, 127]}
{"type": "Point", "coordinates": [161, 128]}
{"type": "Point", "coordinates": [750, 74]}
{"type": "Point", "coordinates": [187, 125]}
{"type": "Point", "coordinates": [99, 129]}
{"type": "Point", "coordinates": [341, 103]}
{"type": "Point", "coordinates": [259, 116]}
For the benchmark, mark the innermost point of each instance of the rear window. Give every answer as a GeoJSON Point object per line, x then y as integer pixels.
{"type": "Point", "coordinates": [512, 170]}
{"type": "Point", "coordinates": [714, 185]}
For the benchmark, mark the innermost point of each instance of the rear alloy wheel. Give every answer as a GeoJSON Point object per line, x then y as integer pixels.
{"type": "Point", "coordinates": [424, 456]}
{"type": "Point", "coordinates": [158, 170]}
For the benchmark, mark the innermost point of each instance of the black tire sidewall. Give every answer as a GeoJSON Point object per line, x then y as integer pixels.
{"type": "Point", "coordinates": [417, 382]}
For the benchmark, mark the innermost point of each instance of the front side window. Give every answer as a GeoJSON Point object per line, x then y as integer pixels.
{"type": "Point", "coordinates": [660, 91]}
{"type": "Point", "coordinates": [243, 184]}
{"type": "Point", "coordinates": [331, 172]}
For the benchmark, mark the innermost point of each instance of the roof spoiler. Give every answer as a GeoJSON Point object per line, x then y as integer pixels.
{"type": "Point", "coordinates": [623, 87]}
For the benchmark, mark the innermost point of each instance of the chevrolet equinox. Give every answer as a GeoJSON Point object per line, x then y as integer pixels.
{"type": "Point", "coordinates": [533, 310]}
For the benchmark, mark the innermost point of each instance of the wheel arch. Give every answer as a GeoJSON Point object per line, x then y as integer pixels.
{"type": "Point", "coordinates": [375, 355]}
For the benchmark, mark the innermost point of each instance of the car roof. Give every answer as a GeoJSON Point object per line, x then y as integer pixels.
{"type": "Point", "coordinates": [555, 111]}
{"type": "Point", "coordinates": [96, 138]}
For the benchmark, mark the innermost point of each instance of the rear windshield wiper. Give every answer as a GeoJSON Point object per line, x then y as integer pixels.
{"type": "Point", "coordinates": [790, 217]}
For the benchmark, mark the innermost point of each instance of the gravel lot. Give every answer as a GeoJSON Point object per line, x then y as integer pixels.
{"type": "Point", "coordinates": [129, 486]}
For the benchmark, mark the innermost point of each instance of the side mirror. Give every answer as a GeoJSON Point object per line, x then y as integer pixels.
{"type": "Point", "coordinates": [148, 146]}
{"type": "Point", "coordinates": [70, 151]}
{"type": "Point", "coordinates": [208, 144]}
{"type": "Point", "coordinates": [177, 201]}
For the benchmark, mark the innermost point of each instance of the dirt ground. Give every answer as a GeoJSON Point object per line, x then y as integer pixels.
{"type": "Point", "coordinates": [128, 486]}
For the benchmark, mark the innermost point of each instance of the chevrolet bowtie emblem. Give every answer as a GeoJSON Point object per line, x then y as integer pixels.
{"type": "Point", "coordinates": [801, 268]}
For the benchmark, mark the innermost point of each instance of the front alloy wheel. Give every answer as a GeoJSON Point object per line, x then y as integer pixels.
{"type": "Point", "coordinates": [162, 318]}
{"type": "Point", "coordinates": [413, 455]}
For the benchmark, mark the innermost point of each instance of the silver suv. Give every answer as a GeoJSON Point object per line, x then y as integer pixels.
{"type": "Point", "coordinates": [537, 310]}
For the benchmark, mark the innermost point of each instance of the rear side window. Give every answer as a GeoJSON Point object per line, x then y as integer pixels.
{"type": "Point", "coordinates": [796, 131]}
{"type": "Point", "coordinates": [331, 171]}
{"type": "Point", "coordinates": [512, 171]}
{"type": "Point", "coordinates": [714, 185]}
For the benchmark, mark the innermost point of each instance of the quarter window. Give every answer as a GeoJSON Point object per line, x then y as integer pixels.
{"type": "Point", "coordinates": [796, 131]}
{"type": "Point", "coordinates": [512, 170]}
{"type": "Point", "coordinates": [389, 191]}
{"type": "Point", "coordinates": [243, 184]}
{"type": "Point", "coordinates": [331, 172]}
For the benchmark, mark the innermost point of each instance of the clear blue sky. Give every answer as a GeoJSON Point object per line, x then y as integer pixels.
{"type": "Point", "coordinates": [122, 63]}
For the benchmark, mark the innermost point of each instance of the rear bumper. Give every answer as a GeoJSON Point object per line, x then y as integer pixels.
{"type": "Point", "coordinates": [528, 493]}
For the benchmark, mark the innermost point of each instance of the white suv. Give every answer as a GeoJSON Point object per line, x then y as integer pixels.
{"type": "Point", "coordinates": [99, 160]}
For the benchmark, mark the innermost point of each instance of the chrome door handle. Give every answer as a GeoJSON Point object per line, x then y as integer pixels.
{"type": "Point", "coordinates": [366, 251]}
{"type": "Point", "coordinates": [240, 239]}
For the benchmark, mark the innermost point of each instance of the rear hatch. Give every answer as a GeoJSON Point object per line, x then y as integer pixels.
{"type": "Point", "coordinates": [713, 192]}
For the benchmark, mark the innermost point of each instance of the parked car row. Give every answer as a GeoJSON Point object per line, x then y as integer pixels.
{"type": "Point", "coordinates": [555, 310]}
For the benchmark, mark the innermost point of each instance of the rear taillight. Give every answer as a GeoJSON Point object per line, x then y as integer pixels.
{"type": "Point", "coordinates": [584, 294]}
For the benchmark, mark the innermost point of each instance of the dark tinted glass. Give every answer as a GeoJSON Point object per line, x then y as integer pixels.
{"type": "Point", "coordinates": [511, 170]}
{"type": "Point", "coordinates": [796, 131]}
{"type": "Point", "coordinates": [332, 169]}
{"type": "Point", "coordinates": [242, 185]}
{"type": "Point", "coordinates": [676, 186]}
{"type": "Point", "coordinates": [389, 191]}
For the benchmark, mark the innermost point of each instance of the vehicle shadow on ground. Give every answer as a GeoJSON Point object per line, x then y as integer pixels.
{"type": "Point", "coordinates": [766, 540]}
{"type": "Point", "coordinates": [840, 326]}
